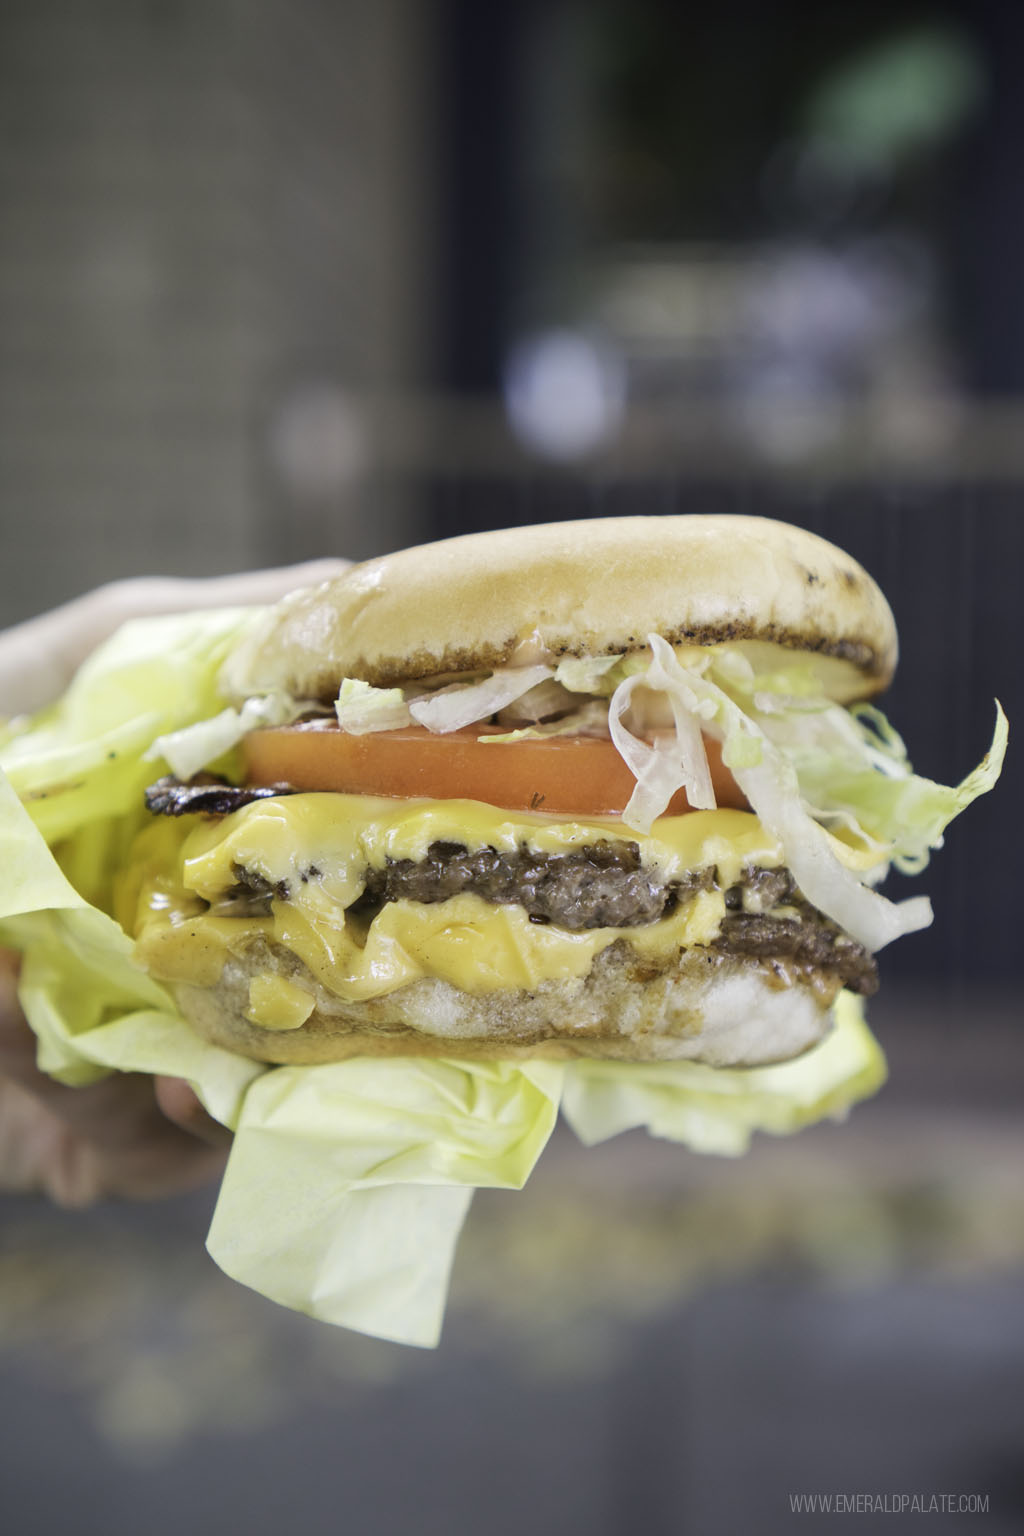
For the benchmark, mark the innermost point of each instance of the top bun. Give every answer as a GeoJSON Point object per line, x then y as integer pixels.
{"type": "Point", "coordinates": [582, 588]}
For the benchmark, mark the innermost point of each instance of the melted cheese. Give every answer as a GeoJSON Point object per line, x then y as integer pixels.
{"type": "Point", "coordinates": [277, 1003]}
{"type": "Point", "coordinates": [338, 836]}
{"type": "Point", "coordinates": [319, 846]}
{"type": "Point", "coordinates": [466, 941]}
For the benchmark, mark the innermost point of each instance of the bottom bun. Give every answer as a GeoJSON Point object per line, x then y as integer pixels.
{"type": "Point", "coordinates": [703, 1006]}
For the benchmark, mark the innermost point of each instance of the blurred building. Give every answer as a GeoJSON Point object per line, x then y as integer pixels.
{"type": "Point", "coordinates": [211, 255]}
{"type": "Point", "coordinates": [281, 278]}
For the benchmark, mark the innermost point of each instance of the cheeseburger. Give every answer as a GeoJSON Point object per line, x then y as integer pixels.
{"type": "Point", "coordinates": [609, 789]}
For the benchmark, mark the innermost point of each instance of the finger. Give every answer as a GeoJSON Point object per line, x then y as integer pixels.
{"type": "Point", "coordinates": [115, 1137]}
{"type": "Point", "coordinates": [181, 1105]}
{"type": "Point", "coordinates": [18, 1045]}
{"type": "Point", "coordinates": [111, 1113]}
{"type": "Point", "coordinates": [260, 586]}
{"type": "Point", "coordinates": [39, 658]}
{"type": "Point", "coordinates": [79, 1145]}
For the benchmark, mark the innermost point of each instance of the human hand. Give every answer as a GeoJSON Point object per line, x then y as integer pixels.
{"type": "Point", "coordinates": [130, 1135]}
{"type": "Point", "coordinates": [39, 658]}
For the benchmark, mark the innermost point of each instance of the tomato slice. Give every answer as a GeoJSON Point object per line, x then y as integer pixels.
{"type": "Point", "coordinates": [581, 775]}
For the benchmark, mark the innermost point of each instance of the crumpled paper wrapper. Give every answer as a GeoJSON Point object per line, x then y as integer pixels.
{"type": "Point", "coordinates": [347, 1184]}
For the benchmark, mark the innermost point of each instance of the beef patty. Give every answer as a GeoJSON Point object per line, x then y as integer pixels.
{"type": "Point", "coordinates": [603, 885]}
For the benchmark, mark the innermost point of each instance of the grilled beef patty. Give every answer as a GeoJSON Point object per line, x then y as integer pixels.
{"type": "Point", "coordinates": [206, 794]}
{"type": "Point", "coordinates": [603, 885]}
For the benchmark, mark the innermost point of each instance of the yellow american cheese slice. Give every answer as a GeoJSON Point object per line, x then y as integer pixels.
{"type": "Point", "coordinates": [318, 846]}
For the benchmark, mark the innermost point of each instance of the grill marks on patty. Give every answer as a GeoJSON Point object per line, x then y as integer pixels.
{"type": "Point", "coordinates": [604, 885]}
{"type": "Point", "coordinates": [806, 939]}
{"type": "Point", "coordinates": [206, 794]}
{"type": "Point", "coordinates": [251, 894]}
{"type": "Point", "coordinates": [601, 886]}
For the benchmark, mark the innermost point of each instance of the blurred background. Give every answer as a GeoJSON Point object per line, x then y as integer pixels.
{"type": "Point", "coordinates": [336, 276]}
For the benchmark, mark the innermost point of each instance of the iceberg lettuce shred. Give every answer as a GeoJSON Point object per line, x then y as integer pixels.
{"type": "Point", "coordinates": [807, 765]}
{"type": "Point", "coordinates": [361, 709]}
{"type": "Point", "coordinates": [192, 748]}
{"type": "Point", "coordinates": [461, 704]}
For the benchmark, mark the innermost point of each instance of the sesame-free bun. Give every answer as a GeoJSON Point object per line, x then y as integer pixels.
{"type": "Point", "coordinates": [582, 588]}
{"type": "Point", "coordinates": [697, 1005]}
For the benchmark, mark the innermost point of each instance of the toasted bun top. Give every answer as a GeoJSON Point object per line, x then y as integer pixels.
{"type": "Point", "coordinates": [582, 588]}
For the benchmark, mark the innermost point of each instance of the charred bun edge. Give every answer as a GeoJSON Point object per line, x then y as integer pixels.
{"type": "Point", "coordinates": [389, 671]}
{"type": "Point", "coordinates": [587, 588]}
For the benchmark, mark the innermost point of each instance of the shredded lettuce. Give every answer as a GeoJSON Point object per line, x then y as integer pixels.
{"type": "Point", "coordinates": [773, 790]}
{"type": "Point", "coordinates": [588, 674]}
{"type": "Point", "coordinates": [851, 765]}
{"type": "Point", "coordinates": [886, 801]}
{"type": "Point", "coordinates": [769, 781]}
{"type": "Point", "coordinates": [667, 763]}
{"type": "Point", "coordinates": [361, 709]}
{"type": "Point", "coordinates": [460, 704]}
{"type": "Point", "coordinates": [804, 761]}
{"type": "Point", "coordinates": [193, 748]}
{"type": "Point", "coordinates": [807, 765]}
{"type": "Point", "coordinates": [589, 719]}
{"type": "Point", "coordinates": [546, 700]}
